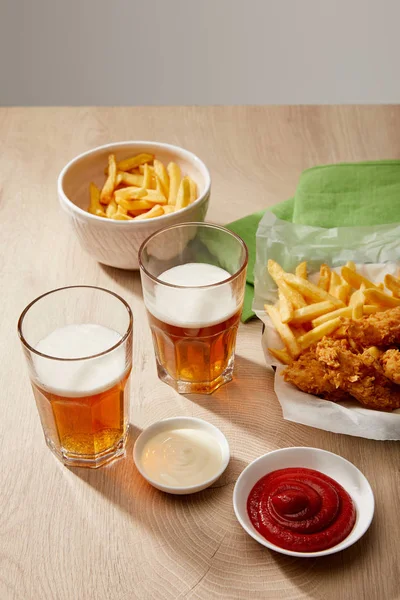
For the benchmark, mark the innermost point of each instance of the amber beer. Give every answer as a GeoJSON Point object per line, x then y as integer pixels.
{"type": "Point", "coordinates": [194, 328]}
{"type": "Point", "coordinates": [82, 403]}
{"type": "Point", "coordinates": [87, 426]}
{"type": "Point", "coordinates": [195, 353]}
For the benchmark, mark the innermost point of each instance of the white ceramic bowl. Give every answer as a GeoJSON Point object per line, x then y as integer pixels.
{"type": "Point", "coordinates": [116, 243]}
{"type": "Point", "coordinates": [181, 423]}
{"type": "Point", "coordinates": [340, 469]}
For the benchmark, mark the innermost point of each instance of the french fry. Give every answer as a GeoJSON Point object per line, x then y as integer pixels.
{"type": "Point", "coordinates": [193, 190]}
{"type": "Point", "coordinates": [293, 296]}
{"type": "Point", "coordinates": [357, 310]}
{"type": "Point", "coordinates": [133, 193]}
{"type": "Point", "coordinates": [356, 297]}
{"type": "Point", "coordinates": [95, 207]}
{"type": "Point", "coordinates": [162, 176]}
{"type": "Point", "coordinates": [334, 283]}
{"type": "Point", "coordinates": [374, 351]}
{"type": "Point", "coordinates": [183, 196]}
{"type": "Point", "coordinates": [301, 270]}
{"type": "Point", "coordinates": [374, 296]}
{"type": "Point", "coordinates": [370, 309]}
{"type": "Point", "coordinates": [111, 209]}
{"type": "Point", "coordinates": [309, 290]}
{"type": "Point", "coordinates": [316, 334]}
{"type": "Point", "coordinates": [282, 355]}
{"type": "Point", "coordinates": [136, 213]}
{"type": "Point", "coordinates": [140, 169]}
{"type": "Point", "coordinates": [343, 292]}
{"type": "Point", "coordinates": [355, 279]}
{"type": "Point", "coordinates": [131, 180]}
{"type": "Point", "coordinates": [109, 186]}
{"type": "Point", "coordinates": [121, 215]}
{"type": "Point", "coordinates": [285, 307]}
{"type": "Point", "coordinates": [344, 289]}
{"type": "Point", "coordinates": [310, 312]}
{"type": "Point", "coordinates": [156, 211]}
{"type": "Point", "coordinates": [393, 284]}
{"type": "Point", "coordinates": [134, 179]}
{"type": "Point", "coordinates": [339, 288]}
{"type": "Point", "coordinates": [147, 176]}
{"type": "Point", "coordinates": [346, 312]}
{"type": "Point", "coordinates": [159, 187]}
{"type": "Point", "coordinates": [284, 331]}
{"type": "Point", "coordinates": [340, 312]}
{"type": "Point", "coordinates": [134, 161]}
{"type": "Point", "coordinates": [168, 209]}
{"type": "Point", "coordinates": [133, 205]}
{"type": "Point", "coordinates": [324, 277]}
{"type": "Point", "coordinates": [275, 270]}
{"type": "Point", "coordinates": [174, 173]}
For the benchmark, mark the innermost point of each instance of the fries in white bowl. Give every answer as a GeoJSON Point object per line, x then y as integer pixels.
{"type": "Point", "coordinates": [115, 196]}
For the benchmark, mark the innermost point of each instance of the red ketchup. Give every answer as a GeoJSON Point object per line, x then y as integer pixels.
{"type": "Point", "coordinates": [301, 510]}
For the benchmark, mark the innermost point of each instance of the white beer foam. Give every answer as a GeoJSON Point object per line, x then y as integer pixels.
{"type": "Point", "coordinates": [81, 377]}
{"type": "Point", "coordinates": [192, 307]}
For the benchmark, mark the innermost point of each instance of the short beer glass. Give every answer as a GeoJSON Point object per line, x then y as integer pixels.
{"type": "Point", "coordinates": [193, 278]}
{"type": "Point", "coordinates": [78, 345]}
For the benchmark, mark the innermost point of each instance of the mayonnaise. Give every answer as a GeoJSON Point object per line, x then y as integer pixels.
{"type": "Point", "coordinates": [181, 457]}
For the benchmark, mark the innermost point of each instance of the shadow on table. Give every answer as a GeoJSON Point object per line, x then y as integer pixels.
{"type": "Point", "coordinates": [165, 518]}
{"type": "Point", "coordinates": [244, 401]}
{"type": "Point", "coordinates": [312, 575]}
{"type": "Point", "coordinates": [129, 280]}
{"type": "Point", "coordinates": [121, 483]}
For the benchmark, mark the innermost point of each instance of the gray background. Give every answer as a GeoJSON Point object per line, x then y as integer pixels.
{"type": "Point", "coordinates": [132, 52]}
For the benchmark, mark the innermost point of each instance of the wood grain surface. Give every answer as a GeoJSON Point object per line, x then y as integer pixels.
{"type": "Point", "coordinates": [106, 534]}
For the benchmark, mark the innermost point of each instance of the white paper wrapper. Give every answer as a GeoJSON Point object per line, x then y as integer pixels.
{"type": "Point", "coordinates": [346, 417]}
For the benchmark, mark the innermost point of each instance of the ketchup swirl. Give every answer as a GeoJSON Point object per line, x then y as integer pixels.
{"type": "Point", "coordinates": [301, 510]}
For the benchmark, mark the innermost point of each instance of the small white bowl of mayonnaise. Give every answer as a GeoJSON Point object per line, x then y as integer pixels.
{"type": "Point", "coordinates": [181, 455]}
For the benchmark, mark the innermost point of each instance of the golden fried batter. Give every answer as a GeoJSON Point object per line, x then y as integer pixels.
{"type": "Point", "coordinates": [343, 365]}
{"type": "Point", "coordinates": [360, 375]}
{"type": "Point", "coordinates": [309, 375]}
{"type": "Point", "coordinates": [390, 361]}
{"type": "Point", "coordinates": [379, 329]}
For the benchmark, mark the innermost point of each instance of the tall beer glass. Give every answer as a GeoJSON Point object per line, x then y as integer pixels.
{"type": "Point", "coordinates": [78, 345]}
{"type": "Point", "coordinates": [193, 278]}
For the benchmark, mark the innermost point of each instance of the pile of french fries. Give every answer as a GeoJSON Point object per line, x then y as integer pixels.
{"type": "Point", "coordinates": [141, 187]}
{"type": "Point", "coordinates": [306, 312]}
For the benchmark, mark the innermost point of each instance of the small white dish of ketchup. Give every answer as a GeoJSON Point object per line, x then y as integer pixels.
{"type": "Point", "coordinates": [303, 502]}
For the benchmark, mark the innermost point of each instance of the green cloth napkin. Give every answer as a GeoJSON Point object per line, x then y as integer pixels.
{"type": "Point", "coordinates": [341, 195]}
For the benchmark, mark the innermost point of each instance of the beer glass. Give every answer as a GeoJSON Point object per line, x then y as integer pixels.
{"type": "Point", "coordinates": [193, 278]}
{"type": "Point", "coordinates": [78, 345]}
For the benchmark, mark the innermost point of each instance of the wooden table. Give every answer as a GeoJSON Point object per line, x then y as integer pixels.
{"type": "Point", "coordinates": [106, 534]}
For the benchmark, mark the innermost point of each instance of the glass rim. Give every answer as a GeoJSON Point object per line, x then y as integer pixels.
{"type": "Point", "coordinates": [71, 287]}
{"type": "Point", "coordinates": [202, 224]}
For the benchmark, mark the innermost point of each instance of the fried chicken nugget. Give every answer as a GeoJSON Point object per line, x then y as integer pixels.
{"type": "Point", "coordinates": [309, 375]}
{"type": "Point", "coordinates": [379, 329]}
{"type": "Point", "coordinates": [360, 375]}
{"type": "Point", "coordinates": [390, 361]}
{"type": "Point", "coordinates": [332, 370]}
